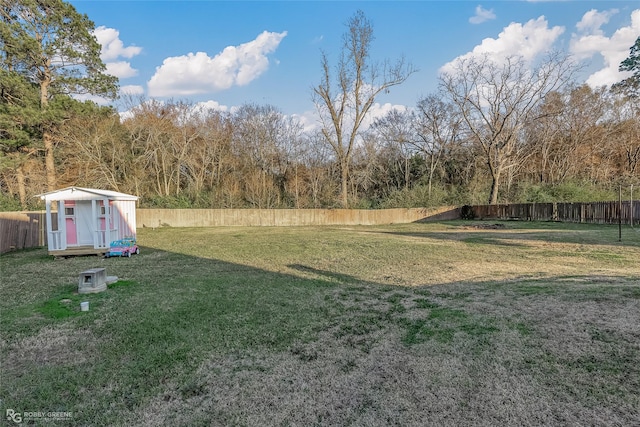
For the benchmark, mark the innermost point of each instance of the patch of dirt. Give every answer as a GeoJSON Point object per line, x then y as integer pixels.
{"type": "Point", "coordinates": [486, 226]}
{"type": "Point", "coordinates": [51, 346]}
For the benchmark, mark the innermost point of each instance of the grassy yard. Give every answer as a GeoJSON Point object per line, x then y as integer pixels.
{"type": "Point", "coordinates": [453, 323]}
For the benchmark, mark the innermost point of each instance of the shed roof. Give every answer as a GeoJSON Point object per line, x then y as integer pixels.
{"type": "Point", "coordinates": [78, 193]}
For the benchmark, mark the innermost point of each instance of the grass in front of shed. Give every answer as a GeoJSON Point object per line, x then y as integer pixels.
{"type": "Point", "coordinates": [442, 323]}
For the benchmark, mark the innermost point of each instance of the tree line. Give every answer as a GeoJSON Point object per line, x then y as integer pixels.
{"type": "Point", "coordinates": [491, 133]}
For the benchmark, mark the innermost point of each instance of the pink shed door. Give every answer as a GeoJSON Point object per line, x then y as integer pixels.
{"type": "Point", "coordinates": [70, 222]}
{"type": "Point", "coordinates": [78, 219]}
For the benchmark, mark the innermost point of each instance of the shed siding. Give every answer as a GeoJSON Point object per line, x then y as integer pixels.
{"type": "Point", "coordinates": [124, 217]}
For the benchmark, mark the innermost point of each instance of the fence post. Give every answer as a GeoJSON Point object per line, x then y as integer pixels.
{"type": "Point", "coordinates": [631, 207]}
{"type": "Point", "coordinates": [620, 215]}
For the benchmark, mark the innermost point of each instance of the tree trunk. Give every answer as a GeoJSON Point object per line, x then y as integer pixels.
{"type": "Point", "coordinates": [47, 137]}
{"type": "Point", "coordinates": [432, 166]}
{"type": "Point", "coordinates": [495, 183]}
{"type": "Point", "coordinates": [22, 188]}
{"type": "Point", "coordinates": [344, 175]}
{"type": "Point", "coordinates": [407, 173]}
{"type": "Point", "coordinates": [49, 160]}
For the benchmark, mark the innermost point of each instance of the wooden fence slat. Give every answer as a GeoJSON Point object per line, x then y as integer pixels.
{"type": "Point", "coordinates": [19, 230]}
{"type": "Point", "coordinates": [593, 212]}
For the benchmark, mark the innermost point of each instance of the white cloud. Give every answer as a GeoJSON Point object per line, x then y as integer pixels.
{"type": "Point", "coordinates": [93, 98]}
{"type": "Point", "coordinates": [592, 41]}
{"type": "Point", "coordinates": [112, 46]}
{"type": "Point", "coordinates": [593, 20]}
{"type": "Point", "coordinates": [309, 120]}
{"type": "Point", "coordinates": [482, 15]}
{"type": "Point", "coordinates": [141, 105]}
{"type": "Point", "coordinates": [128, 90]}
{"type": "Point", "coordinates": [210, 106]}
{"type": "Point", "coordinates": [121, 69]}
{"type": "Point", "coordinates": [125, 115]}
{"type": "Point", "coordinates": [198, 73]}
{"type": "Point", "coordinates": [113, 49]}
{"type": "Point", "coordinates": [528, 41]}
{"type": "Point", "coordinates": [378, 111]}
{"type": "Point", "coordinates": [131, 90]}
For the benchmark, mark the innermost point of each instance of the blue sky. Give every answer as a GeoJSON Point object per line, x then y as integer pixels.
{"type": "Point", "coordinates": [227, 53]}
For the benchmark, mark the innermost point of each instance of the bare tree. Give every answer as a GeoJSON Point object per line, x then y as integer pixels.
{"type": "Point", "coordinates": [208, 158]}
{"type": "Point", "coordinates": [396, 131]}
{"type": "Point", "coordinates": [344, 107]}
{"type": "Point", "coordinates": [437, 126]}
{"type": "Point", "coordinates": [569, 136]}
{"type": "Point", "coordinates": [497, 101]}
{"type": "Point", "coordinates": [153, 134]}
{"type": "Point", "coordinates": [543, 136]}
{"type": "Point", "coordinates": [265, 139]}
{"type": "Point", "coordinates": [626, 135]}
{"type": "Point", "coordinates": [428, 132]}
{"type": "Point", "coordinates": [96, 152]}
{"type": "Point", "coordinates": [367, 168]}
{"type": "Point", "coordinates": [319, 171]}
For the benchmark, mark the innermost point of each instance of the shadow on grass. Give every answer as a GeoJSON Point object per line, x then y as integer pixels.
{"type": "Point", "coordinates": [332, 276]}
{"type": "Point", "coordinates": [167, 314]}
{"type": "Point", "coordinates": [225, 343]}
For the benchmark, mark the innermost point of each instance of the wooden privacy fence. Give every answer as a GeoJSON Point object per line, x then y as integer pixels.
{"type": "Point", "coordinates": [593, 212]}
{"type": "Point", "coordinates": [19, 230]}
{"type": "Point", "coordinates": [287, 217]}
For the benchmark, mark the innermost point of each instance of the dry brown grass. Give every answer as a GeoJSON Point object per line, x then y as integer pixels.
{"type": "Point", "coordinates": [51, 346]}
{"type": "Point", "coordinates": [421, 324]}
{"type": "Point", "coordinates": [550, 361]}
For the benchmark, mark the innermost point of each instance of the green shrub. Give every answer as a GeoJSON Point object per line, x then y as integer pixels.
{"type": "Point", "coordinates": [570, 191]}
{"type": "Point", "coordinates": [466, 212]}
{"type": "Point", "coordinates": [8, 203]}
{"type": "Point", "coordinates": [167, 202]}
{"type": "Point", "coordinates": [419, 196]}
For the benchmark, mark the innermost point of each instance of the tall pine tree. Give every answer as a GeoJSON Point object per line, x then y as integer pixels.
{"type": "Point", "coordinates": [631, 85]}
{"type": "Point", "coordinates": [52, 47]}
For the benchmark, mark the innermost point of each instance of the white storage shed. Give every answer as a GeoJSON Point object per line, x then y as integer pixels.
{"type": "Point", "coordinates": [88, 220]}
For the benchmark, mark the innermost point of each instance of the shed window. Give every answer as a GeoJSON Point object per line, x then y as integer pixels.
{"type": "Point", "coordinates": [103, 211]}
{"type": "Point", "coordinates": [68, 211]}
